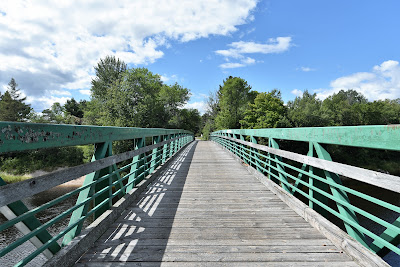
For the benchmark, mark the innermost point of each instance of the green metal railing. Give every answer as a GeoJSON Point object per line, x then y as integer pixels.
{"type": "Point", "coordinates": [316, 179]}
{"type": "Point", "coordinates": [108, 177]}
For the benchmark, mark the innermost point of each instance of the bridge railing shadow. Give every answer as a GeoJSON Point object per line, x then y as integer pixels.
{"type": "Point", "coordinates": [110, 179]}
{"type": "Point", "coordinates": [362, 202]}
{"type": "Point", "coordinates": [141, 234]}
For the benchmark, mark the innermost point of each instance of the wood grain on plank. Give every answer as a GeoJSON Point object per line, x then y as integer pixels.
{"type": "Point", "coordinates": [207, 210]}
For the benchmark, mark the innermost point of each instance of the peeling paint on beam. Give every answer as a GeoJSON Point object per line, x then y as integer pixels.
{"type": "Point", "coordinates": [19, 136]}
{"type": "Point", "coordinates": [374, 136]}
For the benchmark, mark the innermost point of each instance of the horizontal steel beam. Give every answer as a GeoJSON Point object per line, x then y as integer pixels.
{"type": "Point", "coordinates": [18, 191]}
{"type": "Point", "coordinates": [375, 136]}
{"type": "Point", "coordinates": [382, 180]}
{"type": "Point", "coordinates": [19, 136]}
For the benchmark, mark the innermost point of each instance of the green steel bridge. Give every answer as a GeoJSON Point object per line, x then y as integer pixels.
{"type": "Point", "coordinates": [235, 200]}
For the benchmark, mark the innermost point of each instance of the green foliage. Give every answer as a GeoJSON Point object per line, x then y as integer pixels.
{"type": "Point", "coordinates": [134, 101]}
{"type": "Point", "coordinates": [108, 71]}
{"type": "Point", "coordinates": [306, 111]}
{"type": "Point", "coordinates": [188, 119]}
{"type": "Point", "coordinates": [233, 95]}
{"type": "Point", "coordinates": [381, 112]}
{"type": "Point", "coordinates": [12, 106]}
{"type": "Point", "coordinates": [73, 108]}
{"type": "Point", "coordinates": [53, 115]}
{"type": "Point", "coordinates": [9, 178]}
{"type": "Point", "coordinates": [344, 108]}
{"type": "Point", "coordinates": [267, 111]}
{"type": "Point", "coordinates": [44, 159]}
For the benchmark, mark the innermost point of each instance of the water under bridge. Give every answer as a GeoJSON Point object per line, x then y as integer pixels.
{"type": "Point", "coordinates": [237, 200]}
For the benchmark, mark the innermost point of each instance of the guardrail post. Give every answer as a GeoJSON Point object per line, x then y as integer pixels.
{"type": "Point", "coordinates": [154, 154]}
{"type": "Point", "coordinates": [341, 195]}
{"type": "Point", "coordinates": [242, 147]}
{"type": "Point", "coordinates": [138, 165]}
{"type": "Point", "coordinates": [302, 177]}
{"type": "Point", "coordinates": [281, 169]}
{"type": "Point", "coordinates": [256, 158]}
{"type": "Point", "coordinates": [165, 148]}
{"type": "Point", "coordinates": [102, 150]}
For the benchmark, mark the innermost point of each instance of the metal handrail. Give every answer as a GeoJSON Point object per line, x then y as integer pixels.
{"type": "Point", "coordinates": [103, 184]}
{"type": "Point", "coordinates": [317, 180]}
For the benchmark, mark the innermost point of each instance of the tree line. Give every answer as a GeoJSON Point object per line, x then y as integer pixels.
{"type": "Point", "coordinates": [120, 96]}
{"type": "Point", "coordinates": [136, 97]}
{"type": "Point", "coordinates": [235, 105]}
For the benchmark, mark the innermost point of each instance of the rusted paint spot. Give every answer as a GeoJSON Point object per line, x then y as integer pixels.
{"type": "Point", "coordinates": [393, 126]}
{"type": "Point", "coordinates": [33, 137]}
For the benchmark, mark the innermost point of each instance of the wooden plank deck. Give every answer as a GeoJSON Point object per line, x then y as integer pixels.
{"type": "Point", "coordinates": [208, 210]}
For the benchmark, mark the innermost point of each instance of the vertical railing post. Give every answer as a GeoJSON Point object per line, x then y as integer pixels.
{"type": "Point", "coordinates": [102, 150]}
{"type": "Point", "coordinates": [137, 166]}
{"type": "Point", "coordinates": [165, 149]}
{"type": "Point", "coordinates": [310, 178]}
{"type": "Point", "coordinates": [245, 158]}
{"type": "Point", "coordinates": [154, 155]}
{"type": "Point", "coordinates": [255, 156]}
{"type": "Point", "coordinates": [341, 195]}
{"type": "Point", "coordinates": [172, 146]}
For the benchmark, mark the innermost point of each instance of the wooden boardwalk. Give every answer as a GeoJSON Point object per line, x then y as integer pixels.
{"type": "Point", "coordinates": [208, 210]}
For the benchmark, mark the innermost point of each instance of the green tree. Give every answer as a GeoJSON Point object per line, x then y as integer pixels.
{"type": "Point", "coordinates": [188, 119]}
{"type": "Point", "coordinates": [381, 112]}
{"type": "Point", "coordinates": [72, 107]}
{"type": "Point", "coordinates": [108, 71]}
{"type": "Point", "coordinates": [344, 108]}
{"type": "Point", "coordinates": [55, 114]}
{"type": "Point", "coordinates": [134, 100]}
{"type": "Point", "coordinates": [173, 98]}
{"type": "Point", "coordinates": [267, 111]}
{"type": "Point", "coordinates": [306, 111]}
{"type": "Point", "coordinates": [233, 95]}
{"type": "Point", "coordinates": [208, 118]}
{"type": "Point", "coordinates": [12, 106]}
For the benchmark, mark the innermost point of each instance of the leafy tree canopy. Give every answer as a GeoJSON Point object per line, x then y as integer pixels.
{"type": "Point", "coordinates": [233, 95]}
{"type": "Point", "coordinates": [108, 71]}
{"type": "Point", "coordinates": [267, 111]}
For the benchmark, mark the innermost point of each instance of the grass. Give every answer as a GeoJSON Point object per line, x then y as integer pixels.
{"type": "Point", "coordinates": [10, 178]}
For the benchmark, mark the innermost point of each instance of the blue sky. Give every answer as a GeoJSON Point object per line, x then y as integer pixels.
{"type": "Point", "coordinates": [322, 46]}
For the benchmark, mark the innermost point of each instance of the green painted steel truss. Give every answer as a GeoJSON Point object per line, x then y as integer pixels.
{"type": "Point", "coordinates": [108, 177]}
{"type": "Point", "coordinates": [314, 178]}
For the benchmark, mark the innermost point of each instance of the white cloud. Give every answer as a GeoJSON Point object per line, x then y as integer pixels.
{"type": "Point", "coordinates": [306, 69]}
{"type": "Point", "coordinates": [85, 92]}
{"type": "Point", "coordinates": [231, 65]}
{"type": "Point", "coordinates": [54, 45]}
{"type": "Point", "coordinates": [297, 92]}
{"type": "Point", "coordinates": [383, 82]}
{"type": "Point", "coordinates": [274, 45]}
{"type": "Point", "coordinates": [46, 101]}
{"type": "Point", "coordinates": [239, 49]}
{"type": "Point", "coordinates": [166, 78]}
{"type": "Point", "coordinates": [200, 106]}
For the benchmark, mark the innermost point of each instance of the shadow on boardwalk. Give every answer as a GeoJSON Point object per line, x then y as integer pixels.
{"type": "Point", "coordinates": [142, 232]}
